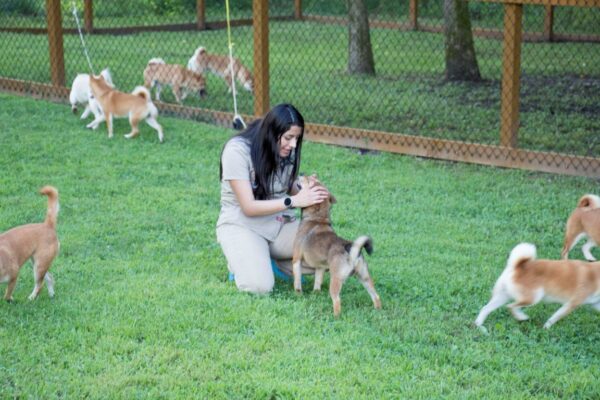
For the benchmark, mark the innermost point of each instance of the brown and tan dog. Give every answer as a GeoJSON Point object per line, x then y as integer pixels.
{"type": "Point", "coordinates": [528, 281]}
{"type": "Point", "coordinates": [317, 246]}
{"type": "Point", "coordinates": [219, 65]}
{"type": "Point", "coordinates": [137, 105]}
{"type": "Point", "coordinates": [180, 79]}
{"type": "Point", "coordinates": [584, 222]}
{"type": "Point", "coordinates": [36, 241]}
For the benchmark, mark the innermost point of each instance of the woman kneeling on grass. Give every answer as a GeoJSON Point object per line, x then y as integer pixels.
{"type": "Point", "coordinates": [257, 221]}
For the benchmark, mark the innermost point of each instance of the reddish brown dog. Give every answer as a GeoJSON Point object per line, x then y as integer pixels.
{"type": "Point", "coordinates": [527, 281]}
{"type": "Point", "coordinates": [584, 222]}
{"type": "Point", "coordinates": [317, 246]}
{"type": "Point", "coordinates": [36, 241]}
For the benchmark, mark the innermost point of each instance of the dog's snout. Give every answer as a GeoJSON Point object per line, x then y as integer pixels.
{"type": "Point", "coordinates": [202, 93]}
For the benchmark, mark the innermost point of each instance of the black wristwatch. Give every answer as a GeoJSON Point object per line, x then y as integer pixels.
{"type": "Point", "coordinates": [288, 202]}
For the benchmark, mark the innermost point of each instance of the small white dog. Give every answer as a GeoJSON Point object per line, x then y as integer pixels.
{"type": "Point", "coordinates": [81, 94]}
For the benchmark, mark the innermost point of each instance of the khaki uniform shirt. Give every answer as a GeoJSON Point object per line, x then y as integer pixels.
{"type": "Point", "coordinates": [237, 165]}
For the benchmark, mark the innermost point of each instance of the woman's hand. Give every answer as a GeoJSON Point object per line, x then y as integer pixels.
{"type": "Point", "coordinates": [309, 195]}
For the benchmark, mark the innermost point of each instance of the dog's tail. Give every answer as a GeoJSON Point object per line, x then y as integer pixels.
{"type": "Point", "coordinates": [53, 206]}
{"type": "Point", "coordinates": [519, 255]}
{"type": "Point", "coordinates": [193, 61]}
{"type": "Point", "coordinates": [361, 242]}
{"type": "Point", "coordinates": [156, 60]}
{"type": "Point", "coordinates": [589, 201]}
{"type": "Point", "coordinates": [142, 92]}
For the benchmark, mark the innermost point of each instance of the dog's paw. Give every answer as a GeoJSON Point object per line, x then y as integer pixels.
{"type": "Point", "coordinates": [482, 329]}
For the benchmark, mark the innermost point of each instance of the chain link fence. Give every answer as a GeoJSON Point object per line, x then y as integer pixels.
{"type": "Point", "coordinates": [520, 87]}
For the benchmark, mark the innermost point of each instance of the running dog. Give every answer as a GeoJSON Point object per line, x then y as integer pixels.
{"type": "Point", "coordinates": [584, 222]}
{"type": "Point", "coordinates": [37, 242]}
{"type": "Point", "coordinates": [180, 79]}
{"type": "Point", "coordinates": [317, 246]}
{"type": "Point", "coordinates": [528, 281]}
{"type": "Point", "coordinates": [81, 94]}
{"type": "Point", "coordinates": [136, 105]}
{"type": "Point", "coordinates": [219, 65]}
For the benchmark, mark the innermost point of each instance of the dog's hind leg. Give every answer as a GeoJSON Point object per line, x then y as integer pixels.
{"type": "Point", "coordinates": [365, 278]}
{"type": "Point", "coordinates": [49, 279]}
{"type": "Point", "coordinates": [560, 313]}
{"type": "Point", "coordinates": [335, 287]}
{"type": "Point", "coordinates": [154, 123]}
{"type": "Point", "coordinates": [40, 269]}
{"type": "Point", "coordinates": [133, 121]}
{"type": "Point", "coordinates": [586, 250]}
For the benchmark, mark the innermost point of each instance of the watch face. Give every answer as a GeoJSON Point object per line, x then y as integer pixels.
{"type": "Point", "coordinates": [287, 202]}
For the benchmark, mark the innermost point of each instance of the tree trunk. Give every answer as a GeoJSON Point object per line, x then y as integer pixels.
{"type": "Point", "coordinates": [461, 61]}
{"type": "Point", "coordinates": [360, 54]}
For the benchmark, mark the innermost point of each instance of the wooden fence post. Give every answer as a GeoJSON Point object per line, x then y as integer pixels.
{"type": "Point", "coordinates": [260, 24]}
{"type": "Point", "coordinates": [201, 14]}
{"type": "Point", "coordinates": [414, 14]}
{"type": "Point", "coordinates": [55, 42]}
{"type": "Point", "coordinates": [88, 15]}
{"type": "Point", "coordinates": [298, 9]}
{"type": "Point", "coordinates": [511, 64]}
{"type": "Point", "coordinates": [549, 23]}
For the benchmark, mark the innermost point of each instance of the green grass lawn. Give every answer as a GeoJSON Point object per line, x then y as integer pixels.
{"type": "Point", "coordinates": [143, 308]}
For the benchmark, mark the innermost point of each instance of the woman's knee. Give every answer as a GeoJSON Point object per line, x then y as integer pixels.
{"type": "Point", "coordinates": [263, 286]}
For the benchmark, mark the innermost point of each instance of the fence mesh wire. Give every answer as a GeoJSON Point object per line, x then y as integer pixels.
{"type": "Point", "coordinates": [409, 94]}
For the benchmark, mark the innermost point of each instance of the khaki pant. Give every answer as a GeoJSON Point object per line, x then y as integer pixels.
{"type": "Point", "coordinates": [249, 255]}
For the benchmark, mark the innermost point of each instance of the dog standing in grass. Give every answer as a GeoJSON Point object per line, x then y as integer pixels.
{"type": "Point", "coordinates": [584, 222]}
{"type": "Point", "coordinates": [180, 79]}
{"type": "Point", "coordinates": [137, 106]}
{"type": "Point", "coordinates": [221, 66]}
{"type": "Point", "coordinates": [36, 241]}
{"type": "Point", "coordinates": [527, 281]}
{"type": "Point", "coordinates": [317, 246]}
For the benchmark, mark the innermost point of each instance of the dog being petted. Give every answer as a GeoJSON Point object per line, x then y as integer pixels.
{"type": "Point", "coordinates": [526, 281]}
{"type": "Point", "coordinates": [38, 242]}
{"type": "Point", "coordinates": [318, 246]}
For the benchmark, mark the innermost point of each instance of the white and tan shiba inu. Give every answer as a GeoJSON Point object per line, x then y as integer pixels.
{"type": "Point", "coordinates": [136, 105]}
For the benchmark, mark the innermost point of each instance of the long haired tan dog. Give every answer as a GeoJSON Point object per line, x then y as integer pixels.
{"type": "Point", "coordinates": [181, 80]}
{"type": "Point", "coordinates": [219, 65]}
{"type": "Point", "coordinates": [584, 222]}
{"type": "Point", "coordinates": [36, 241]}
{"type": "Point", "coordinates": [137, 106]}
{"type": "Point", "coordinates": [317, 246]}
{"type": "Point", "coordinates": [528, 281]}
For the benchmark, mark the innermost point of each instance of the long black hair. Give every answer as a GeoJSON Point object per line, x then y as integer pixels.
{"type": "Point", "coordinates": [263, 136]}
